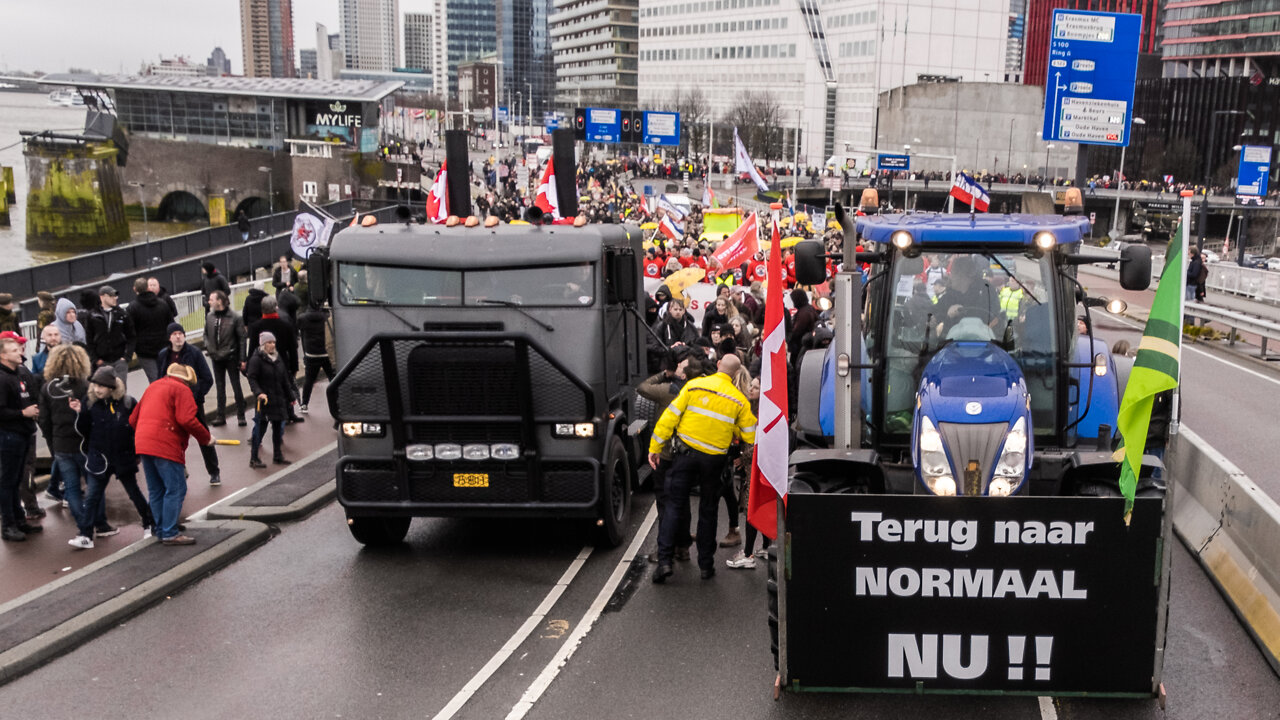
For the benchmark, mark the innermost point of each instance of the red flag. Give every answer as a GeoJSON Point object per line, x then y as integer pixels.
{"type": "Point", "coordinates": [547, 198]}
{"type": "Point", "coordinates": [438, 198]}
{"type": "Point", "coordinates": [769, 465]}
{"type": "Point", "coordinates": [741, 245]}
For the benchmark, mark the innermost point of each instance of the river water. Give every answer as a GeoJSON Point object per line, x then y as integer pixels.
{"type": "Point", "coordinates": [33, 111]}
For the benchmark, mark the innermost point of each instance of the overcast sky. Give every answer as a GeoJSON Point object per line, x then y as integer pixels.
{"type": "Point", "coordinates": [52, 35]}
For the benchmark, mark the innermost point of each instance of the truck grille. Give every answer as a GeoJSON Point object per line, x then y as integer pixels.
{"type": "Point", "coordinates": [978, 442]}
{"type": "Point", "coordinates": [372, 481]}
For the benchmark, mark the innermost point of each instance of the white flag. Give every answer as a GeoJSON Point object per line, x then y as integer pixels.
{"type": "Point", "coordinates": [743, 163]}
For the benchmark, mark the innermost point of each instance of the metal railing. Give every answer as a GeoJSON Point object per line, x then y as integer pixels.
{"type": "Point", "coordinates": [1225, 277]}
{"type": "Point", "coordinates": [1264, 329]}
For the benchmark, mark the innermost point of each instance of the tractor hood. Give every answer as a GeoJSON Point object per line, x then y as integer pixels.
{"type": "Point", "coordinates": [972, 382]}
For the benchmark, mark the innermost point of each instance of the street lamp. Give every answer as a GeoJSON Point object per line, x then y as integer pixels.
{"type": "Point", "coordinates": [1115, 216]}
{"type": "Point", "coordinates": [146, 227]}
{"type": "Point", "coordinates": [906, 179]}
{"type": "Point", "coordinates": [1047, 148]}
{"type": "Point", "coordinates": [1208, 169]}
{"type": "Point", "coordinates": [519, 109]}
{"type": "Point", "coordinates": [271, 200]}
{"type": "Point", "coordinates": [529, 87]}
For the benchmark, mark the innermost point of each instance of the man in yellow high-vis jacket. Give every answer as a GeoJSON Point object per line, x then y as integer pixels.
{"type": "Point", "coordinates": [704, 420]}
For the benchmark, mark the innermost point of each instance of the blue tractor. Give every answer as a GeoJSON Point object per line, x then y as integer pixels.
{"type": "Point", "coordinates": [953, 522]}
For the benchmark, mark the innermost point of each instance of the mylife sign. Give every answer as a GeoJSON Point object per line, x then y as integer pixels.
{"type": "Point", "coordinates": [334, 114]}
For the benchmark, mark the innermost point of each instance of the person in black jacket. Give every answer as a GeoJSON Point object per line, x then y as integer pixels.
{"type": "Point", "coordinates": [242, 224]}
{"type": "Point", "coordinates": [151, 317]}
{"type": "Point", "coordinates": [180, 352]}
{"type": "Point", "coordinates": [18, 411]}
{"type": "Point", "coordinates": [153, 284]}
{"type": "Point", "coordinates": [802, 323]}
{"type": "Point", "coordinates": [224, 341]}
{"type": "Point", "coordinates": [272, 385]}
{"type": "Point", "coordinates": [673, 329]}
{"type": "Point", "coordinates": [252, 310]}
{"type": "Point", "coordinates": [283, 276]}
{"type": "Point", "coordinates": [211, 280]}
{"type": "Point", "coordinates": [315, 351]}
{"type": "Point", "coordinates": [286, 338]}
{"type": "Point", "coordinates": [110, 335]}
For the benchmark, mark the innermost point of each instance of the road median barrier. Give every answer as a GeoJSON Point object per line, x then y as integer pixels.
{"type": "Point", "coordinates": [287, 494]}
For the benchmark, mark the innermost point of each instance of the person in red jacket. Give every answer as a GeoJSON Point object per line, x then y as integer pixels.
{"type": "Point", "coordinates": [163, 420]}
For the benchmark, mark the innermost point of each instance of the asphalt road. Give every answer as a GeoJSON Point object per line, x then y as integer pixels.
{"type": "Point", "coordinates": [470, 619]}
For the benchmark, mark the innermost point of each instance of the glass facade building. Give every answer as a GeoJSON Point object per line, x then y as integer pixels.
{"type": "Point", "coordinates": [471, 33]}
{"type": "Point", "coordinates": [524, 51]}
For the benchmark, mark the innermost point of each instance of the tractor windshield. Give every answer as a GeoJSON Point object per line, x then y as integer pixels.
{"type": "Point", "coordinates": [1003, 298]}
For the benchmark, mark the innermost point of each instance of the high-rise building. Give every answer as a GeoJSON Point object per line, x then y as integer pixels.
{"type": "Point", "coordinates": [371, 34]}
{"type": "Point", "coordinates": [417, 41]}
{"type": "Point", "coordinates": [266, 31]}
{"type": "Point", "coordinates": [219, 63]}
{"type": "Point", "coordinates": [821, 65]}
{"type": "Point", "coordinates": [524, 51]}
{"type": "Point", "coordinates": [596, 48]}
{"type": "Point", "coordinates": [307, 65]}
{"type": "Point", "coordinates": [1040, 22]}
{"type": "Point", "coordinates": [467, 32]}
{"type": "Point", "coordinates": [1017, 35]}
{"type": "Point", "coordinates": [330, 60]}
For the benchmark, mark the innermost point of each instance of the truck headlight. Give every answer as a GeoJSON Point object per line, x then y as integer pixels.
{"type": "Point", "coordinates": [419, 452]}
{"type": "Point", "coordinates": [1012, 464]}
{"type": "Point", "coordinates": [448, 451]}
{"type": "Point", "coordinates": [475, 452]}
{"type": "Point", "coordinates": [582, 430]}
{"type": "Point", "coordinates": [935, 469]}
{"type": "Point", "coordinates": [357, 429]}
{"type": "Point", "coordinates": [505, 451]}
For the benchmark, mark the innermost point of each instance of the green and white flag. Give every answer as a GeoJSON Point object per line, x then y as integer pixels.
{"type": "Point", "coordinates": [1155, 369]}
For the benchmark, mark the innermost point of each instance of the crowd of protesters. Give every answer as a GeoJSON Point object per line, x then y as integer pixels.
{"type": "Point", "coordinates": [69, 389]}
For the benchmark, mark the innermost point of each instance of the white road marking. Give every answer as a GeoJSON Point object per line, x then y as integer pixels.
{"type": "Point", "coordinates": [1047, 711]}
{"type": "Point", "coordinates": [1198, 351]}
{"type": "Point", "coordinates": [203, 513]}
{"type": "Point", "coordinates": [522, 634]}
{"type": "Point", "coordinates": [553, 668]}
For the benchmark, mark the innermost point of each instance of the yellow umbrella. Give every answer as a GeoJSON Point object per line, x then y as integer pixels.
{"type": "Point", "coordinates": [677, 281]}
{"type": "Point", "coordinates": [790, 242]}
{"type": "Point", "coordinates": [649, 226]}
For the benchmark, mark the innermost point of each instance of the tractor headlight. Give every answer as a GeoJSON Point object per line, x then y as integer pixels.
{"type": "Point", "coordinates": [1044, 240]}
{"type": "Point", "coordinates": [901, 239]}
{"type": "Point", "coordinates": [1012, 464]}
{"type": "Point", "coordinates": [943, 485]}
{"type": "Point", "coordinates": [935, 469]}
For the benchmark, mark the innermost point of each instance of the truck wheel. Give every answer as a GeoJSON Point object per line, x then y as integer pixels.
{"type": "Point", "coordinates": [615, 494]}
{"type": "Point", "coordinates": [772, 565]}
{"type": "Point", "coordinates": [378, 531]}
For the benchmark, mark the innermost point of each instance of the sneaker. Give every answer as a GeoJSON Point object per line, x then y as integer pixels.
{"type": "Point", "coordinates": [179, 540]}
{"type": "Point", "coordinates": [731, 539]}
{"type": "Point", "coordinates": [146, 532]}
{"type": "Point", "coordinates": [215, 479]}
{"type": "Point", "coordinates": [304, 409]}
{"type": "Point", "coordinates": [108, 531]}
{"type": "Point", "coordinates": [762, 553]}
{"type": "Point", "coordinates": [742, 562]}
{"type": "Point", "coordinates": [81, 542]}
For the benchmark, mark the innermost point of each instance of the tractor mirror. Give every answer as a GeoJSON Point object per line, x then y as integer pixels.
{"type": "Point", "coordinates": [811, 263]}
{"type": "Point", "coordinates": [1135, 267]}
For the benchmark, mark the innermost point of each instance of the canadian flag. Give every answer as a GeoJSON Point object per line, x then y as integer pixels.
{"type": "Point", "coordinates": [769, 466]}
{"type": "Point", "coordinates": [438, 199]}
{"type": "Point", "coordinates": [547, 199]}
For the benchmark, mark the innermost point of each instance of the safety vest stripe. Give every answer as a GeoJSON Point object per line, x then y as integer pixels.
{"type": "Point", "coordinates": [730, 398]}
{"type": "Point", "coordinates": [705, 446]}
{"type": "Point", "coordinates": [675, 410]}
{"type": "Point", "coordinates": [712, 414]}
{"type": "Point", "coordinates": [748, 430]}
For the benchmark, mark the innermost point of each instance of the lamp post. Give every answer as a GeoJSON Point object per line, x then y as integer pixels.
{"type": "Point", "coordinates": [271, 200]}
{"type": "Point", "coordinates": [146, 227]}
{"type": "Point", "coordinates": [529, 87]}
{"type": "Point", "coordinates": [1047, 148]}
{"type": "Point", "coordinates": [906, 179]}
{"type": "Point", "coordinates": [1208, 170]}
{"type": "Point", "coordinates": [519, 110]}
{"type": "Point", "coordinates": [1115, 216]}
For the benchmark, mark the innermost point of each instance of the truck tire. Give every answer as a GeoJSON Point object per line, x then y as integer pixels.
{"type": "Point", "coordinates": [772, 584]}
{"type": "Point", "coordinates": [378, 531]}
{"type": "Point", "coordinates": [615, 494]}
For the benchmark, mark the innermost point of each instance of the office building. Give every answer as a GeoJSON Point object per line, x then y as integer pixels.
{"type": "Point", "coordinates": [307, 67]}
{"type": "Point", "coordinates": [330, 59]}
{"type": "Point", "coordinates": [524, 51]}
{"type": "Point", "coordinates": [468, 31]}
{"type": "Point", "coordinates": [1016, 42]}
{"type": "Point", "coordinates": [219, 63]}
{"type": "Point", "coordinates": [371, 34]}
{"type": "Point", "coordinates": [417, 41]}
{"type": "Point", "coordinates": [266, 31]}
{"type": "Point", "coordinates": [596, 47]}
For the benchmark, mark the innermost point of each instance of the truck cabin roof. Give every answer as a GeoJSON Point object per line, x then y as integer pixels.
{"type": "Point", "coordinates": [936, 231]}
{"type": "Point", "coordinates": [462, 247]}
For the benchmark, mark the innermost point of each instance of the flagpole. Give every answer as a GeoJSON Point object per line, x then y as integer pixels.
{"type": "Point", "coordinates": [1175, 407]}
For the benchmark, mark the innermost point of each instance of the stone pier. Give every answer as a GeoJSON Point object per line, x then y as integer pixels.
{"type": "Point", "coordinates": [74, 202]}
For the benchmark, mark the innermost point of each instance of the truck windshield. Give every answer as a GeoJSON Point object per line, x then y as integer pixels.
{"type": "Point", "coordinates": [546, 286]}
{"type": "Point", "coordinates": [959, 296]}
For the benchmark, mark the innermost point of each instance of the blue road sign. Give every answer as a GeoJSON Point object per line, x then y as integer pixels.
{"type": "Point", "coordinates": [604, 125]}
{"type": "Point", "coordinates": [1093, 62]}
{"type": "Point", "coordinates": [661, 128]}
{"type": "Point", "coordinates": [502, 114]}
{"type": "Point", "coordinates": [893, 162]}
{"type": "Point", "coordinates": [1254, 169]}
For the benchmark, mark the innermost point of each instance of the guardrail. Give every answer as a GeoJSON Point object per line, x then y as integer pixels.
{"type": "Point", "coordinates": [1225, 277]}
{"type": "Point", "coordinates": [1264, 329]}
{"type": "Point", "coordinates": [1233, 529]}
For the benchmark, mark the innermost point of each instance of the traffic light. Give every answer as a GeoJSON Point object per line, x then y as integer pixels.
{"type": "Point", "coordinates": [625, 135]}
{"type": "Point", "coordinates": [580, 124]}
{"type": "Point", "coordinates": [637, 126]}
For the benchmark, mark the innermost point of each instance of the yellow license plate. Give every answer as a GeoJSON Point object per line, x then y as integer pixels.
{"type": "Point", "coordinates": [471, 479]}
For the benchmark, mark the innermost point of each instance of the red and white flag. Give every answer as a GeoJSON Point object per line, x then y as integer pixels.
{"type": "Point", "coordinates": [741, 245]}
{"type": "Point", "coordinates": [708, 195]}
{"type": "Point", "coordinates": [547, 199]}
{"type": "Point", "coordinates": [769, 466]}
{"type": "Point", "coordinates": [438, 198]}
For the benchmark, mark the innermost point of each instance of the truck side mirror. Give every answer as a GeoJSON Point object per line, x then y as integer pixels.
{"type": "Point", "coordinates": [621, 274]}
{"type": "Point", "coordinates": [1135, 267]}
{"type": "Point", "coordinates": [318, 275]}
{"type": "Point", "coordinates": [811, 263]}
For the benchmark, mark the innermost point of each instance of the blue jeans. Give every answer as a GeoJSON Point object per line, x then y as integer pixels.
{"type": "Point", "coordinates": [13, 463]}
{"type": "Point", "coordinates": [167, 486]}
{"type": "Point", "coordinates": [88, 512]}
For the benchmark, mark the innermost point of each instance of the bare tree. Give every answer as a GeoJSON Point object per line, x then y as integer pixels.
{"type": "Point", "coordinates": [692, 106]}
{"type": "Point", "coordinates": [758, 117]}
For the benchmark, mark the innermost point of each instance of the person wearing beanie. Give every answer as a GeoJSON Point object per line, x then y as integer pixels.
{"type": "Point", "coordinates": [286, 339]}
{"type": "Point", "coordinates": [163, 421]}
{"type": "Point", "coordinates": [211, 280]}
{"type": "Point", "coordinates": [102, 420]}
{"type": "Point", "coordinates": [272, 385]}
{"type": "Point", "coordinates": [180, 352]}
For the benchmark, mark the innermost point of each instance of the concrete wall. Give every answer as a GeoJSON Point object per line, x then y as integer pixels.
{"type": "Point", "coordinates": [989, 127]}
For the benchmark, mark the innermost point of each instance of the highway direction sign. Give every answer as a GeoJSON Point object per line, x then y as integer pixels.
{"type": "Point", "coordinates": [893, 162]}
{"type": "Point", "coordinates": [604, 125]}
{"type": "Point", "coordinates": [1093, 62]}
{"type": "Point", "coordinates": [662, 128]}
{"type": "Point", "coordinates": [1254, 168]}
